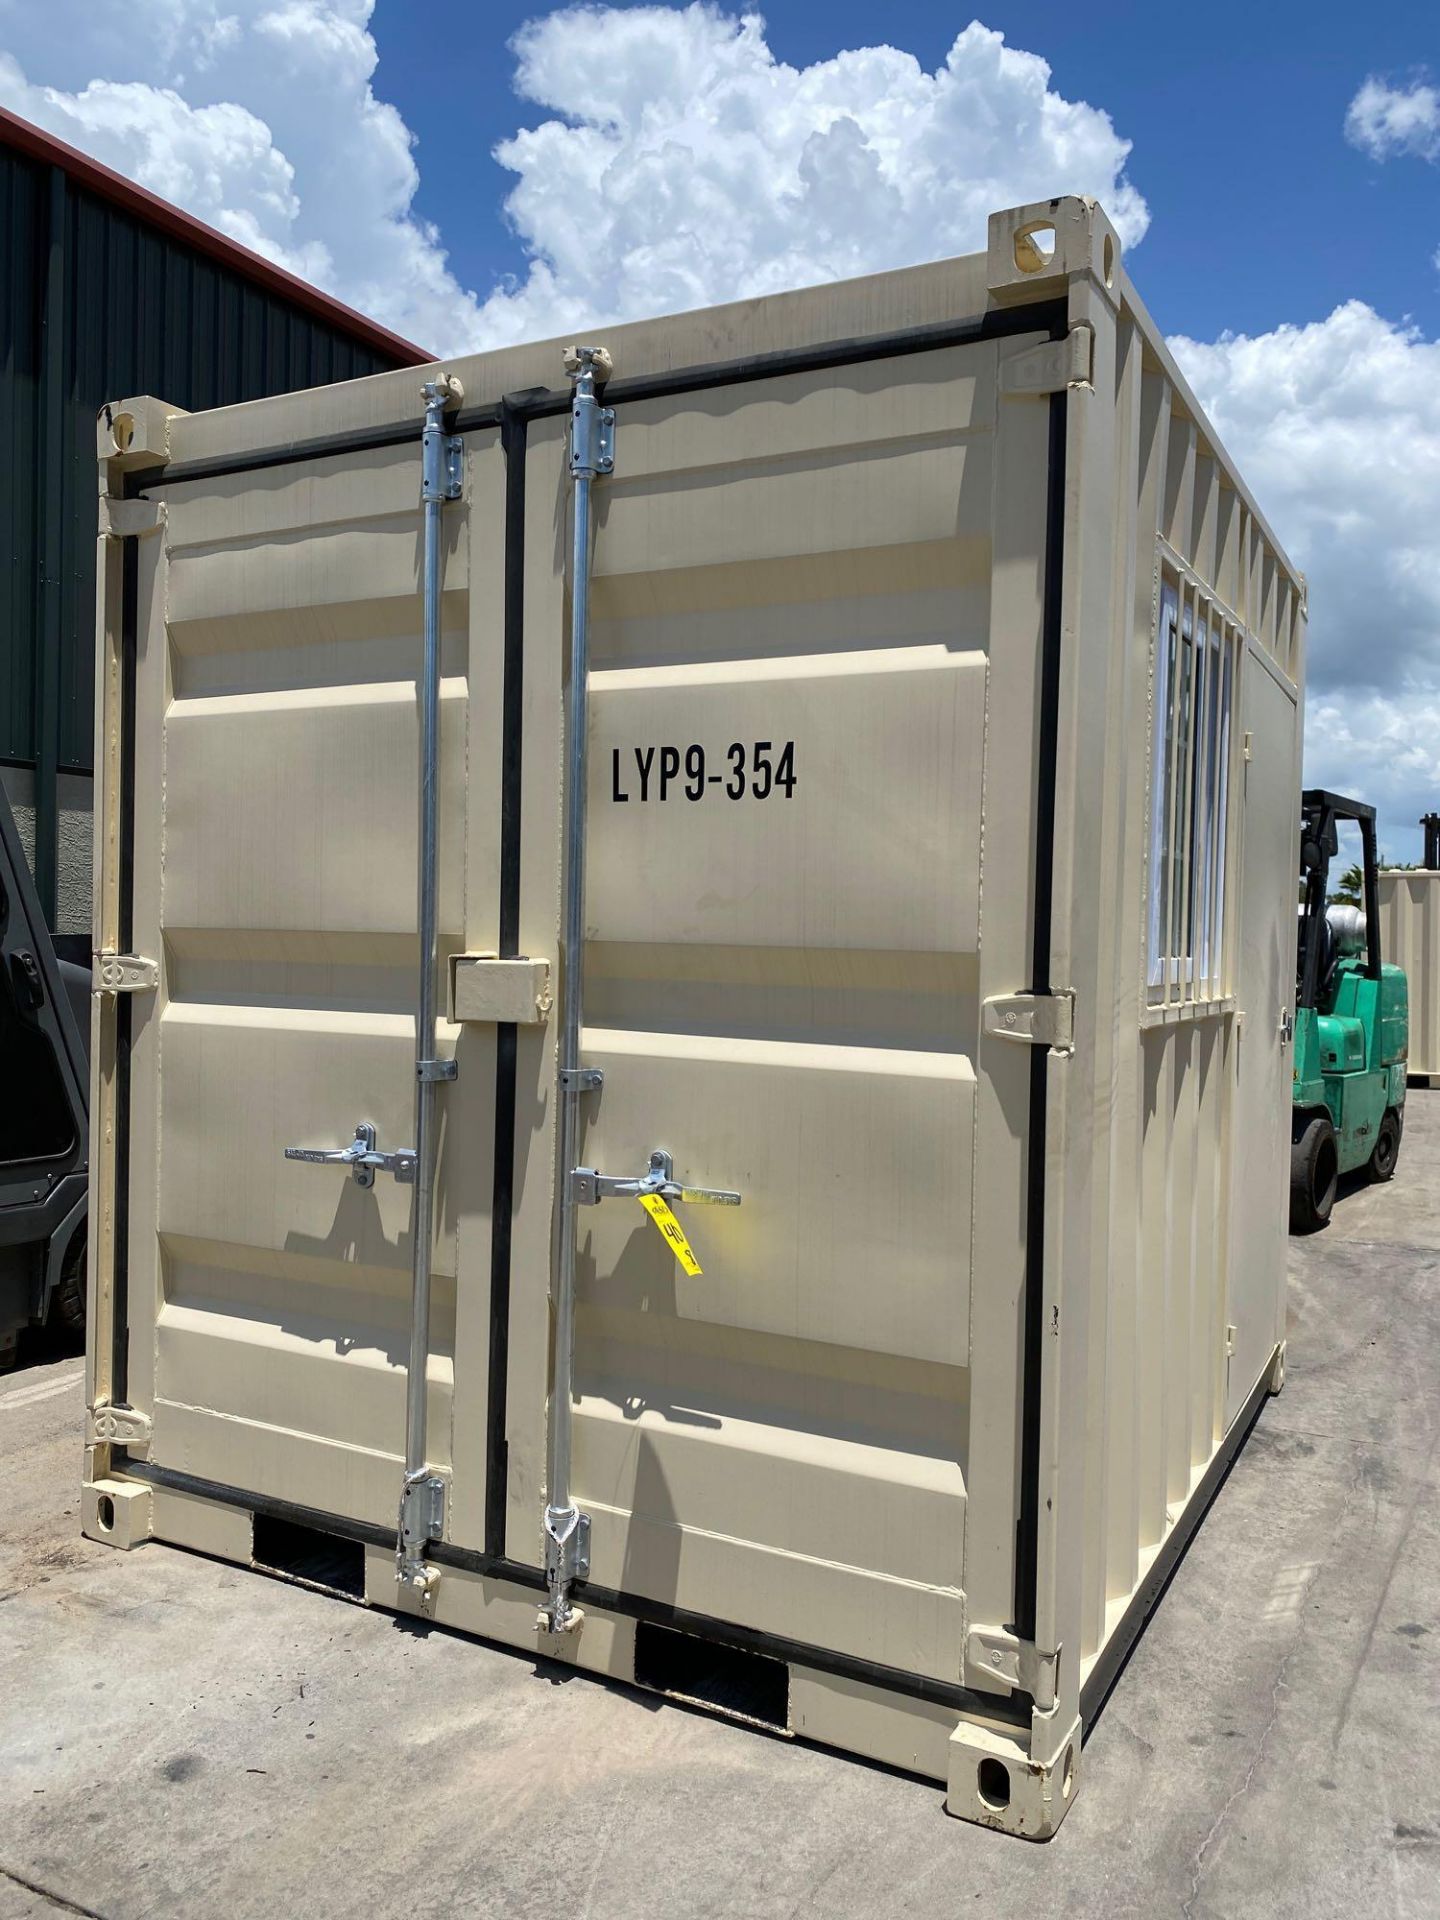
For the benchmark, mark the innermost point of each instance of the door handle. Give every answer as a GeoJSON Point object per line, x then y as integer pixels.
{"type": "Point", "coordinates": [362, 1157]}
{"type": "Point", "coordinates": [590, 1187]}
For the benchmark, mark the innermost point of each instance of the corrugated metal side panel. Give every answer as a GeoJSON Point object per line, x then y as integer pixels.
{"type": "Point", "coordinates": [1175, 1234]}
{"type": "Point", "coordinates": [1410, 938]}
{"type": "Point", "coordinates": [22, 221]}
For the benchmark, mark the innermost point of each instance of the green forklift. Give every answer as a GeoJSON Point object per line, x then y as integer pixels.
{"type": "Point", "coordinates": [1352, 1023]}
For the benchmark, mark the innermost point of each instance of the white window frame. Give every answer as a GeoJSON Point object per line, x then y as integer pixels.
{"type": "Point", "coordinates": [1197, 650]}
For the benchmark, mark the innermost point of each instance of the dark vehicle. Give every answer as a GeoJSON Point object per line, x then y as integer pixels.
{"type": "Point", "coordinates": [44, 1111]}
{"type": "Point", "coordinates": [1352, 1024]}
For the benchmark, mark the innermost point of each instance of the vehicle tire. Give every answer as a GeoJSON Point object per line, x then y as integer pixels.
{"type": "Point", "coordinates": [1387, 1147]}
{"type": "Point", "coordinates": [67, 1308]}
{"type": "Point", "coordinates": [1314, 1175]}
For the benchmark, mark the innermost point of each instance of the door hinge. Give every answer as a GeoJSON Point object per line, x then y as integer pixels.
{"type": "Point", "coordinates": [992, 1654]}
{"type": "Point", "coordinates": [129, 519]}
{"type": "Point", "coordinates": [1039, 1019]}
{"type": "Point", "coordinates": [1287, 1027]}
{"type": "Point", "coordinates": [112, 1426]}
{"type": "Point", "coordinates": [1053, 366]}
{"type": "Point", "coordinates": [995, 1654]}
{"type": "Point", "coordinates": [1249, 743]}
{"type": "Point", "coordinates": [123, 973]}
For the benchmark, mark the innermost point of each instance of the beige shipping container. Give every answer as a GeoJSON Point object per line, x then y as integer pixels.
{"type": "Point", "coordinates": [1410, 938]}
{"type": "Point", "coordinates": [940, 838]}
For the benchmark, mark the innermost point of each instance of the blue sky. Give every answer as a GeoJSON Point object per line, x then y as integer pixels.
{"type": "Point", "coordinates": [1274, 170]}
{"type": "Point", "coordinates": [1262, 211]}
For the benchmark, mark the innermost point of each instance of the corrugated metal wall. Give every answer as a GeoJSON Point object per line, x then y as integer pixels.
{"type": "Point", "coordinates": [96, 304]}
{"type": "Point", "coordinates": [1410, 938]}
{"type": "Point", "coordinates": [23, 222]}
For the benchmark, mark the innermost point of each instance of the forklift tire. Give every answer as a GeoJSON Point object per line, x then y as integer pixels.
{"type": "Point", "coordinates": [1314, 1175]}
{"type": "Point", "coordinates": [1387, 1147]}
{"type": "Point", "coordinates": [67, 1305]}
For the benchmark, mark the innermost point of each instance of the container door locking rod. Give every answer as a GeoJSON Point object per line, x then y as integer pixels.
{"type": "Point", "coordinates": [422, 1497]}
{"type": "Point", "coordinates": [567, 1530]}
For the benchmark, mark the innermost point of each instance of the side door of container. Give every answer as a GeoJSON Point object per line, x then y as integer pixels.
{"type": "Point", "coordinates": [815, 667]}
{"type": "Point", "coordinates": [1265, 991]}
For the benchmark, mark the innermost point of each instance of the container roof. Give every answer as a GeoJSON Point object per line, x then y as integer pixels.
{"type": "Point", "coordinates": [149, 207]}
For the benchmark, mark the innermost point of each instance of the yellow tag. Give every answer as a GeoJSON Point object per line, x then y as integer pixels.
{"type": "Point", "coordinates": [659, 1211]}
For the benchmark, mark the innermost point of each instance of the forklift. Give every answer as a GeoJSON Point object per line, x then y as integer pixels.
{"type": "Point", "coordinates": [44, 1112]}
{"type": "Point", "coordinates": [1352, 1023]}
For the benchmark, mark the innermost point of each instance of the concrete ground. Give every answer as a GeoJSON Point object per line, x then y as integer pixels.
{"type": "Point", "coordinates": [179, 1737]}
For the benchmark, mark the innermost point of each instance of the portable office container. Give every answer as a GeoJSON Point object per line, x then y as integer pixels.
{"type": "Point", "coordinates": [1410, 937]}
{"type": "Point", "coordinates": [931, 831]}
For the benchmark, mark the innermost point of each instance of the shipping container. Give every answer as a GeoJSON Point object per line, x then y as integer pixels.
{"type": "Point", "coordinates": [1410, 938]}
{"type": "Point", "coordinates": [840, 1288]}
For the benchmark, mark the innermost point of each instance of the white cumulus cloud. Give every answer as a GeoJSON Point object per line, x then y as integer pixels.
{"type": "Point", "coordinates": [680, 163]}
{"type": "Point", "coordinates": [259, 117]}
{"type": "Point", "coordinates": [1380, 749]}
{"type": "Point", "coordinates": [686, 165]}
{"type": "Point", "coordinates": [1384, 121]}
{"type": "Point", "coordinates": [1336, 427]}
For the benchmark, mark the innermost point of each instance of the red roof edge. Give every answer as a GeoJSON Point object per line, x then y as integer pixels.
{"type": "Point", "coordinates": [112, 186]}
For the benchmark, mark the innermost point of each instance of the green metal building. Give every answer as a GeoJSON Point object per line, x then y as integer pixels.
{"type": "Point", "coordinates": [108, 291]}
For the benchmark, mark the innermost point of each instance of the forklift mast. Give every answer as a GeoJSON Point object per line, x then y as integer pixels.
{"type": "Point", "coordinates": [1321, 813]}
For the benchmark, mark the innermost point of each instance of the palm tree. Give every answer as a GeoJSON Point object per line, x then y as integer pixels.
{"type": "Point", "coordinates": [1351, 889]}
{"type": "Point", "coordinates": [1350, 892]}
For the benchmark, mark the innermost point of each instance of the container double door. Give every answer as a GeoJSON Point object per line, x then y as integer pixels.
{"type": "Point", "coordinates": [815, 668]}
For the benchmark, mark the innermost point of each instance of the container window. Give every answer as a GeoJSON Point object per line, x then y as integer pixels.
{"type": "Point", "coordinates": [1195, 666]}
